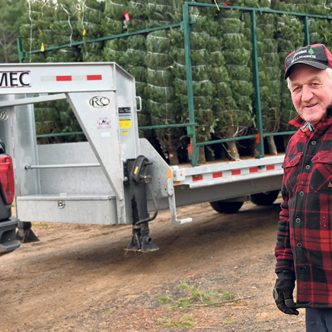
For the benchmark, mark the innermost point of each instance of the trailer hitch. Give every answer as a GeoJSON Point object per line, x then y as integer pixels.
{"type": "Point", "coordinates": [137, 179]}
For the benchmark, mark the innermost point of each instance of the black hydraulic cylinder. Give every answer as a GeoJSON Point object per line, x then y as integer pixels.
{"type": "Point", "coordinates": [136, 171]}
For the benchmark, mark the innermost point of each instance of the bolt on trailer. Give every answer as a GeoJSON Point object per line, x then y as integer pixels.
{"type": "Point", "coordinates": [115, 177]}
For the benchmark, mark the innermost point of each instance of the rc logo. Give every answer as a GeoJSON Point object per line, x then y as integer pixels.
{"type": "Point", "coordinates": [99, 101]}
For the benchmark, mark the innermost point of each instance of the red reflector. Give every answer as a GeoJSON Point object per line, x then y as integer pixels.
{"type": "Point", "coordinates": [190, 148]}
{"type": "Point", "coordinates": [7, 178]}
{"type": "Point", "coordinates": [63, 78]}
{"type": "Point", "coordinates": [253, 169]}
{"type": "Point", "coordinates": [236, 172]}
{"type": "Point", "coordinates": [217, 175]}
{"type": "Point", "coordinates": [126, 16]}
{"type": "Point", "coordinates": [270, 167]}
{"type": "Point", "coordinates": [94, 77]}
{"type": "Point", "coordinates": [197, 177]}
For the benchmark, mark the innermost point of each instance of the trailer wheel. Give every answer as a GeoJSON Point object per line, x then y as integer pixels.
{"type": "Point", "coordinates": [226, 207]}
{"type": "Point", "coordinates": [266, 198]}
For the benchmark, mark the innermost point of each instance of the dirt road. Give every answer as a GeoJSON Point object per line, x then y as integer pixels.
{"type": "Point", "coordinates": [215, 274]}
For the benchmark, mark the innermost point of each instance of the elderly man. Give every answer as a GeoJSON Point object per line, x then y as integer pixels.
{"type": "Point", "coordinates": [304, 241]}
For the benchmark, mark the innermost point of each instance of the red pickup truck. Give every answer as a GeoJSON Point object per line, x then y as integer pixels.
{"type": "Point", "coordinates": [8, 241]}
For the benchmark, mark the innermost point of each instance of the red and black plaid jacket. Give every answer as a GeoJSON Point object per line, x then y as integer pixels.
{"type": "Point", "coordinates": [304, 240]}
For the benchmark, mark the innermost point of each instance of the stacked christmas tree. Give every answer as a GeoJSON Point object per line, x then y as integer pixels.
{"type": "Point", "coordinates": [160, 92]}
{"type": "Point", "coordinates": [269, 76]}
{"type": "Point", "coordinates": [289, 36]}
{"type": "Point", "coordinates": [202, 42]}
{"type": "Point", "coordinates": [89, 14]}
{"type": "Point", "coordinates": [237, 116]}
{"type": "Point", "coordinates": [221, 55]}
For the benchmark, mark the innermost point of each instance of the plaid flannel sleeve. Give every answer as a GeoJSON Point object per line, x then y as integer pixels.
{"type": "Point", "coordinates": [283, 252]}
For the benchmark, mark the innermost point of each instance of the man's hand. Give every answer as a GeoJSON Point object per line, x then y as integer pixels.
{"type": "Point", "coordinates": [283, 293]}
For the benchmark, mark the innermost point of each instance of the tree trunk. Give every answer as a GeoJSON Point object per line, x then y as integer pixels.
{"type": "Point", "coordinates": [233, 151]}
{"type": "Point", "coordinates": [272, 145]}
{"type": "Point", "coordinates": [173, 155]}
{"type": "Point", "coordinates": [201, 155]}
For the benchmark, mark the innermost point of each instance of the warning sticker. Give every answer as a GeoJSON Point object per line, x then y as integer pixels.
{"type": "Point", "coordinates": [125, 124]}
{"type": "Point", "coordinates": [103, 123]}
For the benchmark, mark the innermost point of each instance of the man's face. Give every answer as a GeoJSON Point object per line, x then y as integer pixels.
{"type": "Point", "coordinates": [311, 92]}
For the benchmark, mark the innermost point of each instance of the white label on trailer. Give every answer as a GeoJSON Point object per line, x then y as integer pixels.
{"type": "Point", "coordinates": [15, 79]}
{"type": "Point", "coordinates": [105, 134]}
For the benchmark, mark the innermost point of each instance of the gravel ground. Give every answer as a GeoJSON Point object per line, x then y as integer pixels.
{"type": "Point", "coordinates": [215, 274]}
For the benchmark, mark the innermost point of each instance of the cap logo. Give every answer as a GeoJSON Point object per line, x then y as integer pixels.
{"type": "Point", "coordinates": [306, 53]}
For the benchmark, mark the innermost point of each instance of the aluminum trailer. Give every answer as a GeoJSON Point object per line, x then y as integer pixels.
{"type": "Point", "coordinates": [115, 177]}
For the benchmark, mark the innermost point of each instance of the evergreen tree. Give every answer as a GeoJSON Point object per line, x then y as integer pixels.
{"type": "Point", "coordinates": [11, 19]}
{"type": "Point", "coordinates": [89, 15]}
{"type": "Point", "coordinates": [269, 75]}
{"type": "Point", "coordinates": [114, 50]}
{"type": "Point", "coordinates": [319, 28]}
{"type": "Point", "coordinates": [135, 59]}
{"type": "Point", "coordinates": [289, 36]}
{"type": "Point", "coordinates": [209, 74]}
{"type": "Point", "coordinates": [235, 36]}
{"type": "Point", "coordinates": [160, 91]}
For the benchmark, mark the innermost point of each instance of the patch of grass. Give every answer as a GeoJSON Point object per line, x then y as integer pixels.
{"type": "Point", "coordinates": [183, 303]}
{"type": "Point", "coordinates": [185, 296]}
{"type": "Point", "coordinates": [165, 298]}
{"type": "Point", "coordinates": [110, 311]}
{"type": "Point", "coordinates": [227, 296]}
{"type": "Point", "coordinates": [185, 321]}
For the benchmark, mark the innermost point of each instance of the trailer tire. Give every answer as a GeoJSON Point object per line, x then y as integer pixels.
{"type": "Point", "coordinates": [266, 198]}
{"type": "Point", "coordinates": [226, 207]}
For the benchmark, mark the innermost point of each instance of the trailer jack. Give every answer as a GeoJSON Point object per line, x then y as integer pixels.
{"type": "Point", "coordinates": [138, 180]}
{"type": "Point", "coordinates": [24, 232]}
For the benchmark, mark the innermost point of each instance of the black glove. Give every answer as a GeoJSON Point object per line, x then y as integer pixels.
{"type": "Point", "coordinates": [283, 293]}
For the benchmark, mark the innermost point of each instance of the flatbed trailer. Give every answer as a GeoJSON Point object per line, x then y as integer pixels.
{"type": "Point", "coordinates": [115, 177]}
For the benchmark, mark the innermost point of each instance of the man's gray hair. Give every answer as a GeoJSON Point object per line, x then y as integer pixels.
{"type": "Point", "coordinates": [328, 70]}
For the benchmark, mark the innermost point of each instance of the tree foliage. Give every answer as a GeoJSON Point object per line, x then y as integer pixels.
{"type": "Point", "coordinates": [221, 56]}
{"type": "Point", "coordinates": [11, 20]}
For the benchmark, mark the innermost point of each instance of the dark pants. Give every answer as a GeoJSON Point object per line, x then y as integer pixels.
{"type": "Point", "coordinates": [318, 320]}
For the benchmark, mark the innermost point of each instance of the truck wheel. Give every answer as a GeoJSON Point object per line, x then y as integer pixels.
{"type": "Point", "coordinates": [266, 198]}
{"type": "Point", "coordinates": [226, 207]}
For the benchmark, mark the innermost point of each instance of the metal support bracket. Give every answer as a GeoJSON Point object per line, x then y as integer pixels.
{"type": "Point", "coordinates": [172, 205]}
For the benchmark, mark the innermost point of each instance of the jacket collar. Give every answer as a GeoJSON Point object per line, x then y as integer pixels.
{"type": "Point", "coordinates": [298, 122]}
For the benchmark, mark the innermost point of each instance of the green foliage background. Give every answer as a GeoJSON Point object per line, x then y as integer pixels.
{"type": "Point", "coordinates": [11, 20]}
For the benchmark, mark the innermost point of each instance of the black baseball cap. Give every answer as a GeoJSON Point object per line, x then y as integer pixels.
{"type": "Point", "coordinates": [315, 55]}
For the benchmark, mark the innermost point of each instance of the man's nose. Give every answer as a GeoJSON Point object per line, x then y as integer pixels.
{"type": "Point", "coordinates": [306, 93]}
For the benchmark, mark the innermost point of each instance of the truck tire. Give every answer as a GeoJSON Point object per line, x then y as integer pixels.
{"type": "Point", "coordinates": [263, 199]}
{"type": "Point", "coordinates": [226, 207]}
